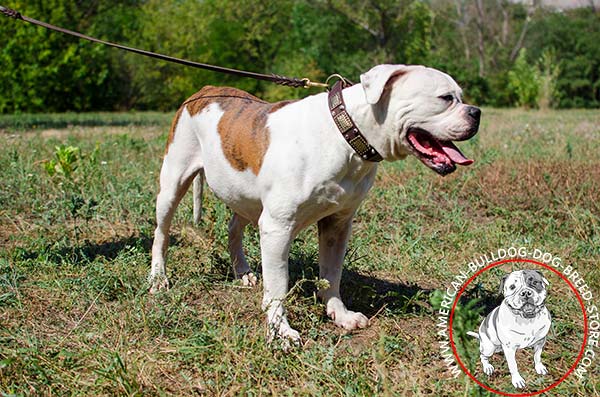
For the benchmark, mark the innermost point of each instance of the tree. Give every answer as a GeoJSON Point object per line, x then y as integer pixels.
{"type": "Point", "coordinates": [240, 35]}
{"type": "Point", "coordinates": [475, 41]}
{"type": "Point", "coordinates": [49, 72]}
{"type": "Point", "coordinates": [574, 37]}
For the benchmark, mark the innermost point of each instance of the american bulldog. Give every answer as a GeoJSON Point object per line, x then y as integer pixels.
{"type": "Point", "coordinates": [284, 166]}
{"type": "Point", "coordinates": [522, 320]}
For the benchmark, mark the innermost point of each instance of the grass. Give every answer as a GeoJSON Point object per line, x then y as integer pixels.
{"type": "Point", "coordinates": [27, 121]}
{"type": "Point", "coordinates": [76, 318]}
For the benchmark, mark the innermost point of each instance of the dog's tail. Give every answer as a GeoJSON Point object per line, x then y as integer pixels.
{"type": "Point", "coordinates": [473, 334]}
{"type": "Point", "coordinates": [197, 193]}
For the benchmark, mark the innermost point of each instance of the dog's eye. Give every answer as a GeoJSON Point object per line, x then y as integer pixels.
{"type": "Point", "coordinates": [512, 287]}
{"type": "Point", "coordinates": [447, 98]}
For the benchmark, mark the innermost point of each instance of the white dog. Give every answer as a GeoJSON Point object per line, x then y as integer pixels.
{"type": "Point", "coordinates": [286, 165]}
{"type": "Point", "coordinates": [521, 321]}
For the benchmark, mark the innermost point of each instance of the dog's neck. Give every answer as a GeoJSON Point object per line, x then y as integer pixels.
{"type": "Point", "coordinates": [374, 123]}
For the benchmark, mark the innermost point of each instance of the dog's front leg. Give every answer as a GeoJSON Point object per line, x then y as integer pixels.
{"type": "Point", "coordinates": [275, 240]}
{"type": "Point", "coordinates": [334, 232]}
{"type": "Point", "coordinates": [509, 354]}
{"type": "Point", "coordinates": [537, 357]}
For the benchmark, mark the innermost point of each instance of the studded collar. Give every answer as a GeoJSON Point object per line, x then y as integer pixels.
{"type": "Point", "coordinates": [346, 125]}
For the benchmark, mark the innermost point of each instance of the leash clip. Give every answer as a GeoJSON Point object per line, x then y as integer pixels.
{"type": "Point", "coordinates": [339, 77]}
{"type": "Point", "coordinates": [308, 83]}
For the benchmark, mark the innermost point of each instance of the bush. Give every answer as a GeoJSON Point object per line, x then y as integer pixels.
{"type": "Point", "coordinates": [525, 80]}
{"type": "Point", "coordinates": [535, 84]}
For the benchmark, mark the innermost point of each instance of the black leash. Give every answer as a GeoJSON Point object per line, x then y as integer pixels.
{"type": "Point", "coordinates": [274, 78]}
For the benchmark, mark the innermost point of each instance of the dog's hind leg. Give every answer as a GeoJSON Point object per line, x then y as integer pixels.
{"type": "Point", "coordinates": [486, 349]}
{"type": "Point", "coordinates": [181, 164]}
{"type": "Point", "coordinates": [197, 191]}
{"type": "Point", "coordinates": [172, 189]}
{"type": "Point", "coordinates": [241, 269]}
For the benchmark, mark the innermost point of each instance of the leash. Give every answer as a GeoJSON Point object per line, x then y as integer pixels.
{"type": "Point", "coordinates": [274, 78]}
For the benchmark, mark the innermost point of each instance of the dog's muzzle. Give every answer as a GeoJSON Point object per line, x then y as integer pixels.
{"type": "Point", "coordinates": [442, 156]}
{"type": "Point", "coordinates": [524, 303]}
{"type": "Point", "coordinates": [529, 310]}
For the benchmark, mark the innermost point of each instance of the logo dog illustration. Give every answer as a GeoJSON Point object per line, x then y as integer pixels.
{"type": "Point", "coordinates": [522, 320]}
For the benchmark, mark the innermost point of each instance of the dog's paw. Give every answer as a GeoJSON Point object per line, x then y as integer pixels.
{"type": "Point", "coordinates": [159, 283]}
{"type": "Point", "coordinates": [541, 369]}
{"type": "Point", "coordinates": [349, 320]}
{"type": "Point", "coordinates": [285, 337]}
{"type": "Point", "coordinates": [488, 369]}
{"type": "Point", "coordinates": [289, 339]}
{"type": "Point", "coordinates": [518, 381]}
{"type": "Point", "coordinates": [249, 279]}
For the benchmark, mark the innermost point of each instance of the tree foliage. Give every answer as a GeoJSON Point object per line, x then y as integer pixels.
{"type": "Point", "coordinates": [44, 71]}
{"type": "Point", "coordinates": [476, 41]}
{"type": "Point", "coordinates": [575, 40]}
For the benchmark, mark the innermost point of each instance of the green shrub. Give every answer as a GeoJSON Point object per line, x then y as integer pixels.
{"type": "Point", "coordinates": [525, 80]}
{"type": "Point", "coordinates": [535, 84]}
{"type": "Point", "coordinates": [65, 162]}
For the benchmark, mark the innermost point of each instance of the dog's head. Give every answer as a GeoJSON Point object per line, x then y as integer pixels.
{"type": "Point", "coordinates": [422, 111]}
{"type": "Point", "coordinates": [524, 291]}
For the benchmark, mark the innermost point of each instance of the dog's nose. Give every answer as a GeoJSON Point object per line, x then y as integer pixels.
{"type": "Point", "coordinates": [474, 112]}
{"type": "Point", "coordinates": [526, 293]}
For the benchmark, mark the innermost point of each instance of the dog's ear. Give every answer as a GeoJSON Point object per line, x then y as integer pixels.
{"type": "Point", "coordinates": [543, 278]}
{"type": "Point", "coordinates": [502, 283]}
{"type": "Point", "coordinates": [374, 80]}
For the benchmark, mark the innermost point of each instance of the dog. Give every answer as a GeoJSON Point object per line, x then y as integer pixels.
{"type": "Point", "coordinates": [522, 320]}
{"type": "Point", "coordinates": [284, 166]}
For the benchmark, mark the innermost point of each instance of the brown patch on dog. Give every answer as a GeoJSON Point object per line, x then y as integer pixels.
{"type": "Point", "coordinates": [242, 128]}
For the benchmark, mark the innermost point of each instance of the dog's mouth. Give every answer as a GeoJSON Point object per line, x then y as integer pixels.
{"type": "Point", "coordinates": [529, 310]}
{"type": "Point", "coordinates": [440, 156]}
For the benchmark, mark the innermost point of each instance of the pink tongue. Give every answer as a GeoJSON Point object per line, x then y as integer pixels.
{"type": "Point", "coordinates": [455, 154]}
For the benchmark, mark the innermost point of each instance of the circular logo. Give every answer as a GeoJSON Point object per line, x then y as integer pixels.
{"type": "Point", "coordinates": [518, 322]}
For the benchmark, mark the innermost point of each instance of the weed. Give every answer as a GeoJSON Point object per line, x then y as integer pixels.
{"type": "Point", "coordinates": [65, 162]}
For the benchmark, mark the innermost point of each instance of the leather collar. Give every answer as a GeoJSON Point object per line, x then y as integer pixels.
{"type": "Point", "coordinates": [346, 125]}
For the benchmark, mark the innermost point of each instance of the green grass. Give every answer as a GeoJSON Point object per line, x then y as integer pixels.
{"type": "Point", "coordinates": [76, 318]}
{"type": "Point", "coordinates": [26, 121]}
